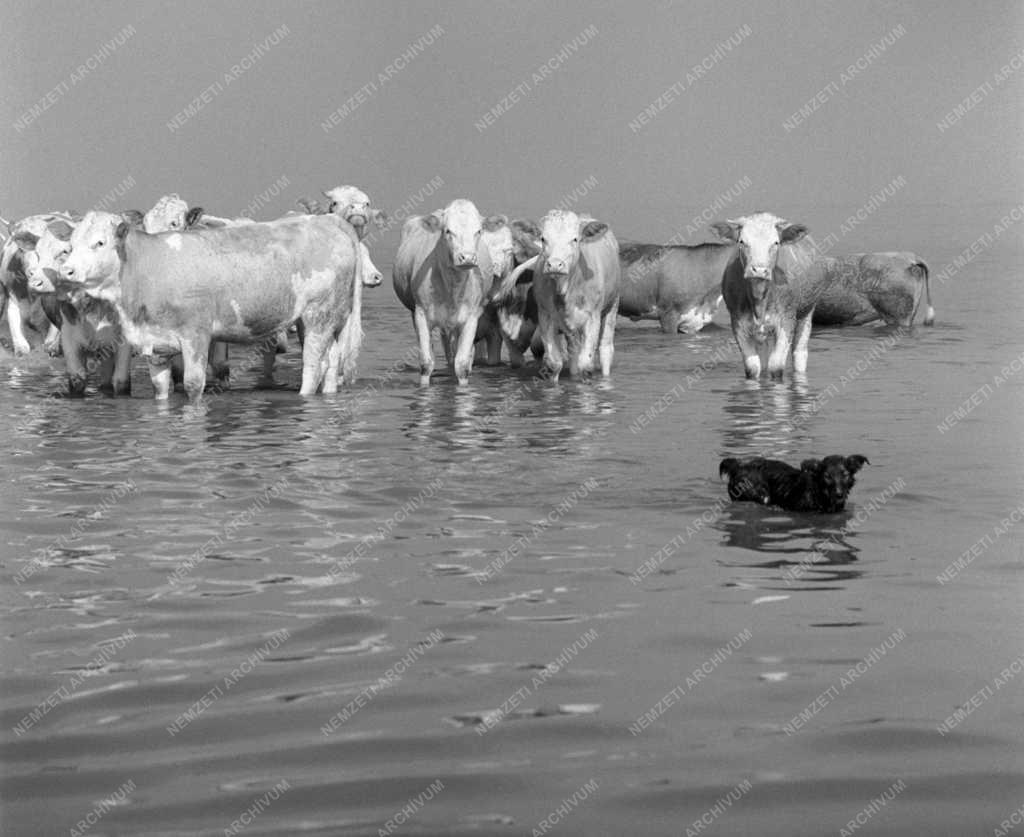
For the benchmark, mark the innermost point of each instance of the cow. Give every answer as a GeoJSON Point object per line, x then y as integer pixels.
{"type": "Point", "coordinates": [443, 275]}
{"type": "Point", "coordinates": [865, 287]}
{"type": "Point", "coordinates": [353, 204]}
{"type": "Point", "coordinates": [89, 329]}
{"type": "Point", "coordinates": [240, 284]}
{"type": "Point", "coordinates": [770, 287]}
{"type": "Point", "coordinates": [25, 308]}
{"type": "Point", "coordinates": [678, 285]}
{"type": "Point", "coordinates": [576, 285]}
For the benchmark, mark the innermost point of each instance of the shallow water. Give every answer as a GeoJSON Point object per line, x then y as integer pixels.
{"type": "Point", "coordinates": [282, 615]}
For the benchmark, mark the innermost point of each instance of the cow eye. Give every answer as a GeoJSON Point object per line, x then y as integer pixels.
{"type": "Point", "coordinates": [98, 244]}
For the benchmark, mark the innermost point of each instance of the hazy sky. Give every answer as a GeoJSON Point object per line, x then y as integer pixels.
{"type": "Point", "coordinates": [124, 119]}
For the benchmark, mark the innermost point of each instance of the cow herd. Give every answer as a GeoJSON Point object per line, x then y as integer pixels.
{"type": "Point", "coordinates": [178, 285]}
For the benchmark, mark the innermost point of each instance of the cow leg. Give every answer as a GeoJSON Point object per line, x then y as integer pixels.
{"type": "Point", "coordinates": [780, 351]}
{"type": "Point", "coordinates": [314, 354]}
{"type": "Point", "coordinates": [219, 362]}
{"type": "Point", "coordinates": [669, 321]}
{"type": "Point", "coordinates": [160, 373]}
{"type": "Point", "coordinates": [334, 351]}
{"type": "Point", "coordinates": [52, 342]}
{"type": "Point", "coordinates": [464, 351]}
{"type": "Point", "coordinates": [419, 319]}
{"type": "Point", "coordinates": [515, 357]}
{"type": "Point", "coordinates": [195, 353]}
{"type": "Point", "coordinates": [18, 341]}
{"type": "Point", "coordinates": [748, 349]}
{"type": "Point", "coordinates": [74, 363]}
{"type": "Point", "coordinates": [103, 361]}
{"type": "Point", "coordinates": [267, 376]}
{"type": "Point", "coordinates": [801, 343]}
{"type": "Point", "coordinates": [553, 355]}
{"type": "Point", "coordinates": [606, 348]}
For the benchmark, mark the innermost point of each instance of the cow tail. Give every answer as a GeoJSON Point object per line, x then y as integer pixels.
{"type": "Point", "coordinates": [351, 338]}
{"type": "Point", "coordinates": [929, 312]}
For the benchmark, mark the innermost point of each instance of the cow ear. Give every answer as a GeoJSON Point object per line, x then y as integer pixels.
{"type": "Point", "coordinates": [855, 463]}
{"type": "Point", "coordinates": [133, 217]}
{"type": "Point", "coordinates": [593, 229]}
{"type": "Point", "coordinates": [122, 231]}
{"type": "Point", "coordinates": [192, 216]}
{"type": "Point", "coordinates": [794, 232]}
{"type": "Point", "coordinates": [729, 230]}
{"type": "Point", "coordinates": [431, 222]}
{"type": "Point", "coordinates": [495, 222]}
{"type": "Point", "coordinates": [810, 465]}
{"type": "Point", "coordinates": [61, 229]}
{"type": "Point", "coordinates": [526, 235]}
{"type": "Point", "coordinates": [380, 217]}
{"type": "Point", "coordinates": [25, 240]}
{"type": "Point", "coordinates": [307, 205]}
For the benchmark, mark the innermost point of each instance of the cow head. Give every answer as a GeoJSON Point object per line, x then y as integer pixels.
{"type": "Point", "coordinates": [561, 233]}
{"type": "Point", "coordinates": [353, 204]}
{"type": "Point", "coordinates": [169, 213]}
{"type": "Point", "coordinates": [461, 226]}
{"type": "Point", "coordinates": [97, 248]}
{"type": "Point", "coordinates": [497, 238]}
{"type": "Point", "coordinates": [759, 237]}
{"type": "Point", "coordinates": [43, 255]}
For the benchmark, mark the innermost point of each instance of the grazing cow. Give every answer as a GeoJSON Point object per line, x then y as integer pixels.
{"type": "Point", "coordinates": [865, 287]}
{"type": "Point", "coordinates": [240, 284]}
{"type": "Point", "coordinates": [90, 329]}
{"type": "Point", "coordinates": [820, 485]}
{"type": "Point", "coordinates": [770, 288]}
{"type": "Point", "coordinates": [680, 286]}
{"type": "Point", "coordinates": [576, 285]}
{"type": "Point", "coordinates": [442, 274]}
{"type": "Point", "coordinates": [25, 308]}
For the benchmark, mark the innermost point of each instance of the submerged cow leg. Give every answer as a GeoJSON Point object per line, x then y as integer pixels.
{"type": "Point", "coordinates": [314, 355]}
{"type": "Point", "coordinates": [780, 351]}
{"type": "Point", "coordinates": [669, 321]}
{"type": "Point", "coordinates": [553, 355]}
{"type": "Point", "coordinates": [749, 349]}
{"type": "Point", "coordinates": [103, 363]}
{"type": "Point", "coordinates": [160, 375]}
{"type": "Point", "coordinates": [74, 362]}
{"type": "Point", "coordinates": [267, 376]}
{"type": "Point", "coordinates": [194, 354]}
{"type": "Point", "coordinates": [419, 319]}
{"type": "Point", "coordinates": [801, 343]}
{"type": "Point", "coordinates": [18, 341]}
{"type": "Point", "coordinates": [606, 348]}
{"type": "Point", "coordinates": [463, 350]}
{"type": "Point", "coordinates": [219, 362]}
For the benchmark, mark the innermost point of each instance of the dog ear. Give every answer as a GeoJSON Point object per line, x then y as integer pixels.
{"type": "Point", "coordinates": [810, 465]}
{"type": "Point", "coordinates": [855, 463]}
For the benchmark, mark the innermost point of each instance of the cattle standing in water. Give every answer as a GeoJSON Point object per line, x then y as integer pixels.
{"type": "Point", "coordinates": [770, 288]}
{"type": "Point", "coordinates": [442, 274]}
{"type": "Point", "coordinates": [238, 284]}
{"type": "Point", "coordinates": [865, 287]}
{"type": "Point", "coordinates": [576, 284]}
{"type": "Point", "coordinates": [89, 329]}
{"type": "Point", "coordinates": [680, 285]}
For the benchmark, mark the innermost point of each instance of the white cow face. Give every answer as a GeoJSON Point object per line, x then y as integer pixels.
{"type": "Point", "coordinates": [560, 236]}
{"type": "Point", "coordinates": [95, 260]}
{"type": "Point", "coordinates": [42, 256]}
{"type": "Point", "coordinates": [169, 213]}
{"type": "Point", "coordinates": [461, 227]}
{"type": "Point", "coordinates": [759, 237]}
{"type": "Point", "coordinates": [353, 205]}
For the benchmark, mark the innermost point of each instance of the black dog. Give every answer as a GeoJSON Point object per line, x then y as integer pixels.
{"type": "Point", "coordinates": [819, 485]}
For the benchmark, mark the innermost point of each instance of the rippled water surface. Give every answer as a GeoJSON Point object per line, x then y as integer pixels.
{"type": "Point", "coordinates": [441, 611]}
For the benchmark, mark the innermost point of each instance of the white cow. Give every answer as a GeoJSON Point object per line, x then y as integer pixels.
{"type": "Point", "coordinates": [443, 274]}
{"type": "Point", "coordinates": [576, 285]}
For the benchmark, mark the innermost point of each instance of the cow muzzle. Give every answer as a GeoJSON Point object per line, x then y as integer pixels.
{"type": "Point", "coordinates": [464, 261]}
{"type": "Point", "coordinates": [44, 281]}
{"type": "Point", "coordinates": [557, 267]}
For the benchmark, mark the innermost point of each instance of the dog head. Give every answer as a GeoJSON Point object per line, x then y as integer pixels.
{"type": "Point", "coordinates": [833, 478]}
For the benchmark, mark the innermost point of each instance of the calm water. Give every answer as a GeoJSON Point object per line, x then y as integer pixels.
{"type": "Point", "coordinates": [304, 616]}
